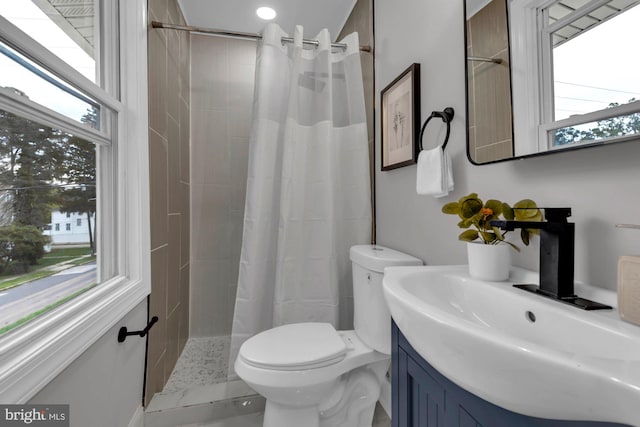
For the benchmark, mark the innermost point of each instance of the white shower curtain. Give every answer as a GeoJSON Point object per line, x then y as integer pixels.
{"type": "Point", "coordinates": [308, 193]}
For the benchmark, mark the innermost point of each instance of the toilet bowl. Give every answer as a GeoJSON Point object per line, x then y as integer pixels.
{"type": "Point", "coordinates": [314, 376]}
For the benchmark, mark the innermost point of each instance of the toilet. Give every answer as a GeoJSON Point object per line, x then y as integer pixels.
{"type": "Point", "coordinates": [314, 376]}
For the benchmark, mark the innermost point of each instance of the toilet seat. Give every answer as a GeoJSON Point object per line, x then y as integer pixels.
{"type": "Point", "coordinates": [298, 346]}
{"type": "Point", "coordinates": [357, 354]}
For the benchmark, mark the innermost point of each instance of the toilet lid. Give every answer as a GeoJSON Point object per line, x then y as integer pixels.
{"type": "Point", "coordinates": [294, 347]}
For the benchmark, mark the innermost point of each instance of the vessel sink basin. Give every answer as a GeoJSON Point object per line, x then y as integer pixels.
{"type": "Point", "coordinates": [518, 350]}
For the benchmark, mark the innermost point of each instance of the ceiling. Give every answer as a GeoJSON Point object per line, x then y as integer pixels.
{"type": "Point", "coordinates": [240, 15]}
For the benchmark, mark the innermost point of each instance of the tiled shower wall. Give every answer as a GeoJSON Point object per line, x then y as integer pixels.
{"type": "Point", "coordinates": [361, 21]}
{"type": "Point", "coordinates": [168, 61]}
{"type": "Point", "coordinates": [222, 75]}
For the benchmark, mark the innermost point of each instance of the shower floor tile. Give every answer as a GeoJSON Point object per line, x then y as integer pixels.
{"type": "Point", "coordinates": [203, 361]}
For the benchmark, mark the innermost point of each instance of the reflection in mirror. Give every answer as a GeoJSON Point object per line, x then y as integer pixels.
{"type": "Point", "coordinates": [574, 81]}
{"type": "Point", "coordinates": [490, 135]}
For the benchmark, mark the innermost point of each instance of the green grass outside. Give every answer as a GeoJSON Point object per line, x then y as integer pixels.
{"type": "Point", "coordinates": [56, 256]}
{"type": "Point", "coordinates": [59, 255]}
{"type": "Point", "coordinates": [44, 310]}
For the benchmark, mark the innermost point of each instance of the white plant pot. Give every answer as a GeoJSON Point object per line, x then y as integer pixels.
{"type": "Point", "coordinates": [489, 262]}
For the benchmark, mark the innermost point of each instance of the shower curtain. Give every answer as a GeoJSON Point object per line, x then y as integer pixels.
{"type": "Point", "coordinates": [308, 194]}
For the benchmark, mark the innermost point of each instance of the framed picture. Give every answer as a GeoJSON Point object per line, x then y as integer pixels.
{"type": "Point", "coordinates": [400, 126]}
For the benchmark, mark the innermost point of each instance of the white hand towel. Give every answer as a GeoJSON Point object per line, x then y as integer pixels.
{"type": "Point", "coordinates": [434, 176]}
{"type": "Point", "coordinates": [449, 174]}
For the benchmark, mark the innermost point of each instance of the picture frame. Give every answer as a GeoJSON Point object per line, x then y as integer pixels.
{"type": "Point", "coordinates": [400, 121]}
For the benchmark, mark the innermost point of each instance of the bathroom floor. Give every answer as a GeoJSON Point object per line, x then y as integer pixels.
{"type": "Point", "coordinates": [250, 420]}
{"type": "Point", "coordinates": [203, 361]}
{"type": "Point", "coordinates": [380, 419]}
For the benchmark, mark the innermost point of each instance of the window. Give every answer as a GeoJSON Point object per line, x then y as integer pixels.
{"type": "Point", "coordinates": [580, 73]}
{"type": "Point", "coordinates": [78, 129]}
{"type": "Point", "coordinates": [78, 222]}
{"type": "Point", "coordinates": [46, 166]}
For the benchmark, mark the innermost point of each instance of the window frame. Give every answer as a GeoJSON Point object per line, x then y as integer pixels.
{"type": "Point", "coordinates": [532, 79]}
{"type": "Point", "coordinates": [39, 350]}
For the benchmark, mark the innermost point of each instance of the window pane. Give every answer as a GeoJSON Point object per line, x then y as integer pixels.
{"type": "Point", "coordinates": [586, 81]}
{"type": "Point", "coordinates": [597, 131]}
{"type": "Point", "coordinates": [68, 29]}
{"type": "Point", "coordinates": [25, 78]}
{"type": "Point", "coordinates": [44, 174]}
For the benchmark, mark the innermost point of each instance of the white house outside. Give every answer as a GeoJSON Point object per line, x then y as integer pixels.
{"type": "Point", "coordinates": [69, 228]}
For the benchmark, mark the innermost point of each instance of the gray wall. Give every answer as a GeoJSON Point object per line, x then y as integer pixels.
{"type": "Point", "coordinates": [599, 184]}
{"type": "Point", "coordinates": [104, 385]}
{"type": "Point", "coordinates": [222, 76]}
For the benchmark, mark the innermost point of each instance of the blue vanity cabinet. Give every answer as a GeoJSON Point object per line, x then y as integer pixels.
{"type": "Point", "coordinates": [422, 397]}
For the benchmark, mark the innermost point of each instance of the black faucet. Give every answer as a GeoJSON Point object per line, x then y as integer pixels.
{"type": "Point", "coordinates": [557, 237]}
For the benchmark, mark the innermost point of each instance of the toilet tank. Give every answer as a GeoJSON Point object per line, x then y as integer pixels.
{"type": "Point", "coordinates": [371, 317]}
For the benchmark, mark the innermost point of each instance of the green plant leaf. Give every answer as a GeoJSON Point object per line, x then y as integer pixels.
{"type": "Point", "coordinates": [495, 206]}
{"type": "Point", "coordinates": [470, 205]}
{"type": "Point", "coordinates": [526, 210]}
{"type": "Point", "coordinates": [468, 235]}
{"type": "Point", "coordinates": [469, 196]}
{"type": "Point", "coordinates": [452, 208]}
{"type": "Point", "coordinates": [525, 236]}
{"type": "Point", "coordinates": [507, 212]}
{"type": "Point", "coordinates": [498, 233]}
{"type": "Point", "coordinates": [466, 223]}
{"type": "Point", "coordinates": [488, 236]}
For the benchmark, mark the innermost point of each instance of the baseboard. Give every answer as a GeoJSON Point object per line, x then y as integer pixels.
{"type": "Point", "coordinates": [138, 418]}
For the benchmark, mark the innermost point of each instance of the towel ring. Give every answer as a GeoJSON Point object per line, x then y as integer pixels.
{"type": "Point", "coordinates": [446, 116]}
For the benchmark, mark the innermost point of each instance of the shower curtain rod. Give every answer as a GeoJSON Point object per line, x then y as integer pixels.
{"type": "Point", "coordinates": [253, 36]}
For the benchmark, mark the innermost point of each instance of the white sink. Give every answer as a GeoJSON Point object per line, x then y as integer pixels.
{"type": "Point", "coordinates": [568, 364]}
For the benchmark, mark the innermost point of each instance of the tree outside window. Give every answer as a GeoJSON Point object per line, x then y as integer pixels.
{"type": "Point", "coordinates": [42, 169]}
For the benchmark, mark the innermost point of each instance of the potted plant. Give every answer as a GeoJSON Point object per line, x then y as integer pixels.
{"type": "Point", "coordinates": [488, 251]}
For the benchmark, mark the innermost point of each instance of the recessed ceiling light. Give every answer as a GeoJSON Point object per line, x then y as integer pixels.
{"type": "Point", "coordinates": [266, 13]}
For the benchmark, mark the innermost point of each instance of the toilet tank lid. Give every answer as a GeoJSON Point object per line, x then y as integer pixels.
{"type": "Point", "coordinates": [376, 258]}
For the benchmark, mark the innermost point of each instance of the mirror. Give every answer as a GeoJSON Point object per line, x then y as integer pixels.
{"type": "Point", "coordinates": [534, 84]}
